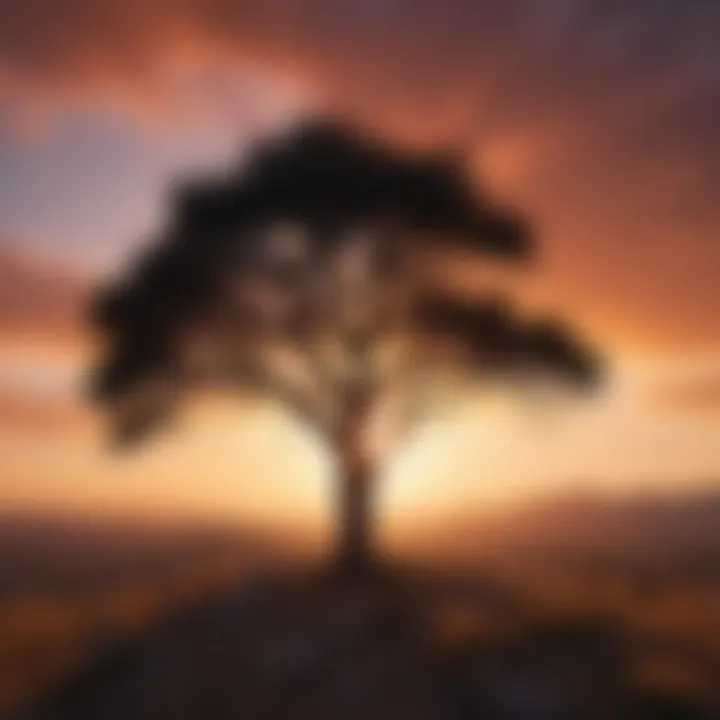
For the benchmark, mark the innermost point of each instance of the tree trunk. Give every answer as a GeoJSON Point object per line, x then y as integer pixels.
{"type": "Point", "coordinates": [354, 545]}
{"type": "Point", "coordinates": [353, 534]}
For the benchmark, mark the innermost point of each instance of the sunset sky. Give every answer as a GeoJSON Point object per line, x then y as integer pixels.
{"type": "Point", "coordinates": [598, 119]}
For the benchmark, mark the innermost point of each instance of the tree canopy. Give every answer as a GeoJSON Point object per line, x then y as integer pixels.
{"type": "Point", "coordinates": [294, 273]}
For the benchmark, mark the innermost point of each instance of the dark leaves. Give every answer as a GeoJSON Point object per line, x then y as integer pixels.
{"type": "Point", "coordinates": [499, 341]}
{"type": "Point", "coordinates": [216, 273]}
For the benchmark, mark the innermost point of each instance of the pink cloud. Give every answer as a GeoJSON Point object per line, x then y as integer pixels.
{"type": "Point", "coordinates": [39, 298]}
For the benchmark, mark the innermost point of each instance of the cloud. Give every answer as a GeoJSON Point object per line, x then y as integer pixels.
{"type": "Point", "coordinates": [698, 396]}
{"type": "Point", "coordinates": [460, 63]}
{"type": "Point", "coordinates": [41, 338]}
{"type": "Point", "coordinates": [598, 117]}
{"type": "Point", "coordinates": [40, 299]}
{"type": "Point", "coordinates": [40, 416]}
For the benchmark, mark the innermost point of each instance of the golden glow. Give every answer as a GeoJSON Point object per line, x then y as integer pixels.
{"type": "Point", "coordinates": [252, 463]}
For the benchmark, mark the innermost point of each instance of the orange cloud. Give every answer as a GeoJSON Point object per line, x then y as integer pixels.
{"type": "Point", "coordinates": [40, 300]}
{"type": "Point", "coordinates": [41, 416]}
{"type": "Point", "coordinates": [698, 396]}
{"type": "Point", "coordinates": [598, 119]}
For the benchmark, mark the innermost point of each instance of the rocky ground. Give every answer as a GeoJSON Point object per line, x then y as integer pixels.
{"type": "Point", "coordinates": [315, 647]}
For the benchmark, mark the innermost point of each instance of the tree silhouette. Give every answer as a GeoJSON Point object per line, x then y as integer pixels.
{"type": "Point", "coordinates": [298, 275]}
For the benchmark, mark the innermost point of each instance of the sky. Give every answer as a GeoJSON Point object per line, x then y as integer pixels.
{"type": "Point", "coordinates": [598, 119]}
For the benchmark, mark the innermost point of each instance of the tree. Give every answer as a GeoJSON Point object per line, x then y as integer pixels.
{"type": "Point", "coordinates": [299, 275]}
